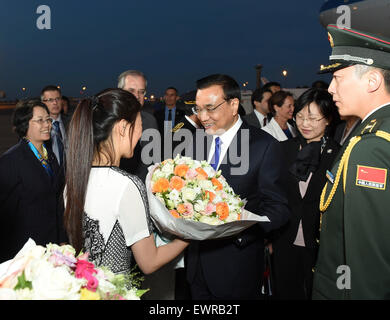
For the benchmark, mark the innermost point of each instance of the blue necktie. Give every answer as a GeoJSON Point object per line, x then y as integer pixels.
{"type": "Point", "coordinates": [217, 153]}
{"type": "Point", "coordinates": [60, 145]}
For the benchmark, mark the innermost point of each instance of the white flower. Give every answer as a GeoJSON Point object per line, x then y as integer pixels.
{"type": "Point", "coordinates": [200, 205]}
{"type": "Point", "coordinates": [174, 195]}
{"type": "Point", "coordinates": [158, 174]}
{"type": "Point", "coordinates": [131, 295]}
{"type": "Point", "coordinates": [210, 171]}
{"type": "Point", "coordinates": [24, 294]}
{"type": "Point", "coordinates": [168, 168]}
{"type": "Point", "coordinates": [231, 217]}
{"type": "Point", "coordinates": [7, 294]}
{"type": "Point", "coordinates": [188, 194]}
{"type": "Point", "coordinates": [206, 185]}
{"type": "Point", "coordinates": [210, 220]}
{"type": "Point", "coordinates": [51, 283]}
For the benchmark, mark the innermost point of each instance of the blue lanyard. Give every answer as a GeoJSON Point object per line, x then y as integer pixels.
{"type": "Point", "coordinates": [44, 163]}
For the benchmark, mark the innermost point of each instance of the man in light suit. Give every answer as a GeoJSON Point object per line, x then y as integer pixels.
{"type": "Point", "coordinates": [232, 268]}
{"type": "Point", "coordinates": [258, 117]}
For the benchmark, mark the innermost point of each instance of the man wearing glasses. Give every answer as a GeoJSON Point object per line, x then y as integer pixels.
{"type": "Point", "coordinates": [135, 82]}
{"type": "Point", "coordinates": [232, 268]}
{"type": "Point", "coordinates": [51, 97]}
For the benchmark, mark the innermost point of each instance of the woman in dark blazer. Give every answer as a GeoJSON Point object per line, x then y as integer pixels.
{"type": "Point", "coordinates": [309, 155]}
{"type": "Point", "coordinates": [31, 184]}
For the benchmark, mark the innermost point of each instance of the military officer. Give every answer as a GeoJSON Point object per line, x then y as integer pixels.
{"type": "Point", "coordinates": [354, 254]}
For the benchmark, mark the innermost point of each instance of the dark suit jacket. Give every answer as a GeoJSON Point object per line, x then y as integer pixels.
{"type": "Point", "coordinates": [31, 203]}
{"type": "Point", "coordinates": [233, 267]}
{"type": "Point", "coordinates": [252, 120]}
{"type": "Point", "coordinates": [306, 208]}
{"type": "Point", "coordinates": [179, 136]}
{"type": "Point", "coordinates": [160, 117]}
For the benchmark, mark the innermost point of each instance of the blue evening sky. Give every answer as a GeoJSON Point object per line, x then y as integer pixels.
{"type": "Point", "coordinates": [173, 42]}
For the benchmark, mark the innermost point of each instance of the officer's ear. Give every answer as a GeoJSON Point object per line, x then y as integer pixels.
{"type": "Point", "coordinates": [374, 80]}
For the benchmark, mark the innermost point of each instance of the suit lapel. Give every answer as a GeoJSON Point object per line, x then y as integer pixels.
{"type": "Point", "coordinates": [31, 158]}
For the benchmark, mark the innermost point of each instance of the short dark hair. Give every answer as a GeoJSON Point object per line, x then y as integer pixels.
{"type": "Point", "coordinates": [23, 114]}
{"type": "Point", "coordinates": [319, 84]}
{"type": "Point", "coordinates": [268, 85]}
{"type": "Point", "coordinates": [258, 95]}
{"type": "Point", "coordinates": [230, 87]}
{"type": "Point", "coordinates": [50, 88]}
{"type": "Point", "coordinates": [323, 99]}
{"type": "Point", "coordinates": [172, 88]}
{"type": "Point", "coordinates": [278, 99]}
{"type": "Point", "coordinates": [320, 97]}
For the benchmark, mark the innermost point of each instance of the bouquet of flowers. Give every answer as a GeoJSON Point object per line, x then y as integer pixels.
{"type": "Point", "coordinates": [55, 273]}
{"type": "Point", "coordinates": [189, 199]}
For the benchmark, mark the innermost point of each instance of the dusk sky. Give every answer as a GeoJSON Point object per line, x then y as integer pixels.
{"type": "Point", "coordinates": [173, 42]}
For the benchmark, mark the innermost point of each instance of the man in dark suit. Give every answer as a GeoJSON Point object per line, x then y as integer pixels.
{"type": "Point", "coordinates": [232, 268]}
{"type": "Point", "coordinates": [135, 82]}
{"type": "Point", "coordinates": [167, 118]}
{"type": "Point", "coordinates": [258, 117]}
{"type": "Point", "coordinates": [52, 98]}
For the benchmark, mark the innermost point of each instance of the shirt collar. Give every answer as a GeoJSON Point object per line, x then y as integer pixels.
{"type": "Point", "coordinates": [228, 136]}
{"type": "Point", "coordinates": [376, 109]}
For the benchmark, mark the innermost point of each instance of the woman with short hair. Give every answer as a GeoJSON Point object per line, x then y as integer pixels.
{"type": "Point", "coordinates": [31, 184]}
{"type": "Point", "coordinates": [281, 106]}
{"type": "Point", "coordinates": [308, 157]}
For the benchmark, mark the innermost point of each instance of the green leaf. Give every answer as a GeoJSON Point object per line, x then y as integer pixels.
{"type": "Point", "coordinates": [140, 292]}
{"type": "Point", "coordinates": [23, 283]}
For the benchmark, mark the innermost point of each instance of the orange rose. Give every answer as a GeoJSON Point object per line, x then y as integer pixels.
{"type": "Point", "coordinates": [201, 172]}
{"type": "Point", "coordinates": [181, 170]}
{"type": "Point", "coordinates": [210, 194]}
{"type": "Point", "coordinates": [216, 183]}
{"type": "Point", "coordinates": [161, 185]}
{"type": "Point", "coordinates": [176, 183]}
{"type": "Point", "coordinates": [174, 213]}
{"type": "Point", "coordinates": [222, 210]}
{"type": "Point", "coordinates": [181, 208]}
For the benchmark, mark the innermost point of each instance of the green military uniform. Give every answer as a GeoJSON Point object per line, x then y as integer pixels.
{"type": "Point", "coordinates": [354, 253]}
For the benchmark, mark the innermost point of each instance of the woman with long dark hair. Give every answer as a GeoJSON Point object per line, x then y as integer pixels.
{"type": "Point", "coordinates": [308, 157]}
{"type": "Point", "coordinates": [107, 212]}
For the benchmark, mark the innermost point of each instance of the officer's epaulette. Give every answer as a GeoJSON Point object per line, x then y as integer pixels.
{"type": "Point", "coordinates": [178, 127]}
{"type": "Point", "coordinates": [371, 127]}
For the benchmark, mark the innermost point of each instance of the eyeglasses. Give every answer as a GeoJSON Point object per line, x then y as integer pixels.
{"type": "Point", "coordinates": [42, 121]}
{"type": "Point", "coordinates": [51, 100]}
{"type": "Point", "coordinates": [141, 92]}
{"type": "Point", "coordinates": [311, 120]}
{"type": "Point", "coordinates": [196, 110]}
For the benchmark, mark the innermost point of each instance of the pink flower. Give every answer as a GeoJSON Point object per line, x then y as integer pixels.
{"type": "Point", "coordinates": [92, 283]}
{"type": "Point", "coordinates": [191, 174]}
{"type": "Point", "coordinates": [189, 208]}
{"type": "Point", "coordinates": [86, 269]}
{"type": "Point", "coordinates": [210, 208]}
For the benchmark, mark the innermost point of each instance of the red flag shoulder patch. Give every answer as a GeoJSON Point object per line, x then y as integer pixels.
{"type": "Point", "coordinates": [371, 177]}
